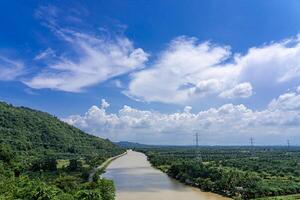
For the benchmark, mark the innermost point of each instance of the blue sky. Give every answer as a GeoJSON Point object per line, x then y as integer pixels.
{"type": "Point", "coordinates": [154, 64]}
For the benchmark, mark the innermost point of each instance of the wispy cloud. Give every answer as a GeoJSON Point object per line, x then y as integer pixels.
{"type": "Point", "coordinates": [88, 60]}
{"type": "Point", "coordinates": [10, 68]}
{"type": "Point", "coordinates": [46, 54]}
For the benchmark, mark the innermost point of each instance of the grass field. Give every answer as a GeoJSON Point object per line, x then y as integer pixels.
{"type": "Point", "coordinates": [62, 163]}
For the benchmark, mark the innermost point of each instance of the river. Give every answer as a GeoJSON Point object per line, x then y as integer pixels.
{"type": "Point", "coordinates": [136, 179]}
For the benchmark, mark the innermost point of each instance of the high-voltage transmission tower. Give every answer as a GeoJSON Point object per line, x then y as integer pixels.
{"type": "Point", "coordinates": [252, 146]}
{"type": "Point", "coordinates": [198, 155]}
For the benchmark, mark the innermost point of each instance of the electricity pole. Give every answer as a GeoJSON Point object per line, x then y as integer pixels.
{"type": "Point", "coordinates": [197, 140]}
{"type": "Point", "coordinates": [252, 146]}
{"type": "Point", "coordinates": [198, 155]}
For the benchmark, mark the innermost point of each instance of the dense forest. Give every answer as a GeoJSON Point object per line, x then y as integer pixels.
{"type": "Point", "coordinates": [237, 172]}
{"type": "Point", "coordinates": [44, 158]}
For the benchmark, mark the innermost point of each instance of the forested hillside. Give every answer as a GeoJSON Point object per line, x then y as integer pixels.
{"type": "Point", "coordinates": [34, 132]}
{"type": "Point", "coordinates": [42, 157]}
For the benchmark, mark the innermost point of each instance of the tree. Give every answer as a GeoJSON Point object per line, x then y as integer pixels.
{"type": "Point", "coordinates": [46, 164]}
{"type": "Point", "coordinates": [74, 165]}
{"type": "Point", "coordinates": [88, 195]}
{"type": "Point", "coordinates": [6, 154]}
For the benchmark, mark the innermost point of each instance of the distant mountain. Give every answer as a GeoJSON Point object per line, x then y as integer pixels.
{"type": "Point", "coordinates": [128, 145]}
{"type": "Point", "coordinates": [32, 132]}
{"type": "Point", "coordinates": [131, 145]}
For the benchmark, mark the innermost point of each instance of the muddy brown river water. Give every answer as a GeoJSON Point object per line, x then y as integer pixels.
{"type": "Point", "coordinates": [136, 179]}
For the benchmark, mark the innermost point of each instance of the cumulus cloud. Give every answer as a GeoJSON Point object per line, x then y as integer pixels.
{"type": "Point", "coordinates": [287, 101]}
{"type": "Point", "coordinates": [189, 70]}
{"type": "Point", "coordinates": [280, 119]}
{"type": "Point", "coordinates": [89, 60]}
{"type": "Point", "coordinates": [10, 69]}
{"type": "Point", "coordinates": [183, 71]}
{"type": "Point", "coordinates": [242, 90]}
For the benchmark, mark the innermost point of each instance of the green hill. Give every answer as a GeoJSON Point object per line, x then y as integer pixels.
{"type": "Point", "coordinates": [31, 132]}
{"type": "Point", "coordinates": [43, 158]}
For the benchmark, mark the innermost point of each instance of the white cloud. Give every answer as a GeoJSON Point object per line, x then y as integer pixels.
{"type": "Point", "coordinates": [243, 90]}
{"type": "Point", "coordinates": [89, 59]}
{"type": "Point", "coordinates": [187, 109]}
{"type": "Point", "coordinates": [10, 69]}
{"type": "Point", "coordinates": [97, 60]}
{"type": "Point", "coordinates": [183, 71]}
{"type": "Point", "coordinates": [188, 70]}
{"type": "Point", "coordinates": [287, 101]}
{"type": "Point", "coordinates": [272, 63]}
{"type": "Point", "coordinates": [104, 104]}
{"type": "Point", "coordinates": [117, 83]}
{"type": "Point", "coordinates": [280, 120]}
{"type": "Point", "coordinates": [46, 54]}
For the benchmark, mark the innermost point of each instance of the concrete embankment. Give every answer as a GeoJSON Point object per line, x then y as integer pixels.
{"type": "Point", "coordinates": [103, 166]}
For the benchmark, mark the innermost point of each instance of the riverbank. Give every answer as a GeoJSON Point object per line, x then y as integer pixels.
{"type": "Point", "coordinates": [104, 165]}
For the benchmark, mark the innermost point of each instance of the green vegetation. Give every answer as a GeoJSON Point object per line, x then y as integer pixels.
{"type": "Point", "coordinates": [237, 172]}
{"type": "Point", "coordinates": [44, 158]}
{"type": "Point", "coordinates": [287, 197]}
